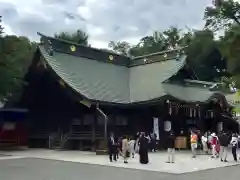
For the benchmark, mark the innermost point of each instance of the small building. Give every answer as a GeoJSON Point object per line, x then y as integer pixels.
{"type": "Point", "coordinates": [77, 94]}
{"type": "Point", "coordinates": [13, 130]}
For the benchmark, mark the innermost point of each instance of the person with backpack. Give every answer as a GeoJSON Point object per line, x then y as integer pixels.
{"type": "Point", "coordinates": [193, 142]}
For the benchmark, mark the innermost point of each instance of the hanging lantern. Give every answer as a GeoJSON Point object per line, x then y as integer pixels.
{"type": "Point", "coordinates": [194, 112]}
{"type": "Point", "coordinates": [170, 108]}
{"type": "Point", "coordinates": [211, 114]}
{"type": "Point", "coordinates": [167, 126]}
{"type": "Point", "coordinates": [190, 113]}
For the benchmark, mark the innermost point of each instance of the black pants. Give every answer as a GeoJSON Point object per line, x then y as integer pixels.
{"type": "Point", "coordinates": [113, 154]}
{"type": "Point", "coordinates": [234, 152]}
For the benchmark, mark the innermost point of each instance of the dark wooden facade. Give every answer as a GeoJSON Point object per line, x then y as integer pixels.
{"type": "Point", "coordinates": [57, 118]}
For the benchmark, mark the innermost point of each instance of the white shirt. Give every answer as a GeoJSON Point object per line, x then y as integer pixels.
{"type": "Point", "coordinates": [204, 139]}
{"type": "Point", "coordinates": [112, 139]}
{"type": "Point", "coordinates": [234, 141]}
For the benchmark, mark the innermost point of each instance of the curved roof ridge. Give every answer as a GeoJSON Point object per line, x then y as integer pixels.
{"type": "Point", "coordinates": [80, 45]}
{"type": "Point", "coordinates": [158, 53]}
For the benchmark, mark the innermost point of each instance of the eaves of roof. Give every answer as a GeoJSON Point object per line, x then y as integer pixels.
{"type": "Point", "coordinates": [105, 82]}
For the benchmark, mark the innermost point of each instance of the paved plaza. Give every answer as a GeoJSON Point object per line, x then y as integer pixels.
{"type": "Point", "coordinates": [41, 169]}
{"type": "Point", "coordinates": [184, 162]}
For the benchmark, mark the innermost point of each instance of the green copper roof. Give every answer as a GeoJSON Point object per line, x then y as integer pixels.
{"type": "Point", "coordinates": [108, 82]}
{"type": "Point", "coordinates": [191, 93]}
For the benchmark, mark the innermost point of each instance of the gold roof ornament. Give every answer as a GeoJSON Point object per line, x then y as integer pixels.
{"type": "Point", "coordinates": [62, 83]}
{"type": "Point", "coordinates": [85, 103]}
{"type": "Point", "coordinates": [73, 48]}
{"type": "Point", "coordinates": [110, 57]}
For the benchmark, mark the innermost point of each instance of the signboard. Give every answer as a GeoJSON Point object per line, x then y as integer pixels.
{"type": "Point", "coordinates": [156, 127]}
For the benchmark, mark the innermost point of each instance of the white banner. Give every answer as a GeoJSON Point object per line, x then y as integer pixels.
{"type": "Point", "coordinates": [156, 127]}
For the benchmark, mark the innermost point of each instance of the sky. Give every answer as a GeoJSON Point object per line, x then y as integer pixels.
{"type": "Point", "coordinates": [103, 20]}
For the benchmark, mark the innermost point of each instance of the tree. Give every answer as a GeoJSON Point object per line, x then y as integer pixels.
{"type": "Point", "coordinates": [173, 37]}
{"type": "Point", "coordinates": [1, 28]}
{"type": "Point", "coordinates": [229, 45]}
{"type": "Point", "coordinates": [204, 57]}
{"type": "Point", "coordinates": [222, 14]}
{"type": "Point", "coordinates": [16, 55]}
{"type": "Point", "coordinates": [79, 37]}
{"type": "Point", "coordinates": [120, 47]}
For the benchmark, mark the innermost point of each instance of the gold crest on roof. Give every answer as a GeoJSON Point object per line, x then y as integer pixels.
{"type": "Point", "coordinates": [110, 57]}
{"type": "Point", "coordinates": [62, 83]}
{"type": "Point", "coordinates": [73, 48]}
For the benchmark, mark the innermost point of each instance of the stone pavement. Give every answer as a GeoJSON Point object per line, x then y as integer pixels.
{"type": "Point", "coordinates": [184, 162]}
{"type": "Point", "coordinates": [41, 169]}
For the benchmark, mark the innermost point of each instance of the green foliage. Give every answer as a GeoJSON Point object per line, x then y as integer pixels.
{"type": "Point", "coordinates": [79, 37]}
{"type": "Point", "coordinates": [1, 28]}
{"type": "Point", "coordinates": [120, 47]}
{"type": "Point", "coordinates": [202, 50]}
{"type": "Point", "coordinates": [222, 14]}
{"type": "Point", "coordinates": [16, 54]}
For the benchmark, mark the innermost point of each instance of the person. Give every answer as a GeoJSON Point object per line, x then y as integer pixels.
{"type": "Point", "coordinates": [125, 148]}
{"type": "Point", "coordinates": [143, 149]}
{"type": "Point", "coordinates": [153, 142]}
{"type": "Point", "coordinates": [171, 147]}
{"type": "Point", "coordinates": [112, 148]}
{"type": "Point", "coordinates": [214, 143]}
{"type": "Point", "coordinates": [209, 141]}
{"type": "Point", "coordinates": [204, 143]}
{"type": "Point", "coordinates": [193, 141]}
{"type": "Point", "coordinates": [234, 143]}
{"type": "Point", "coordinates": [224, 141]}
{"type": "Point", "coordinates": [132, 146]}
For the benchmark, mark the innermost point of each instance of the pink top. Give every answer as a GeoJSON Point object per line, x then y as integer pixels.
{"type": "Point", "coordinates": [214, 140]}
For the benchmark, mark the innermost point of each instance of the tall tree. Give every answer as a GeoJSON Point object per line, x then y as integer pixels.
{"type": "Point", "coordinates": [1, 28]}
{"type": "Point", "coordinates": [16, 54]}
{"type": "Point", "coordinates": [229, 46]}
{"type": "Point", "coordinates": [203, 55]}
{"type": "Point", "coordinates": [173, 37]}
{"type": "Point", "coordinates": [222, 13]}
{"type": "Point", "coordinates": [121, 47]}
{"type": "Point", "coordinates": [79, 37]}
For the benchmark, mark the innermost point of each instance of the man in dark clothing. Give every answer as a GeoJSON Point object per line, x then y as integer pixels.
{"type": "Point", "coordinates": [112, 148]}
{"type": "Point", "coordinates": [224, 142]}
{"type": "Point", "coordinates": [143, 149]}
{"type": "Point", "coordinates": [171, 147]}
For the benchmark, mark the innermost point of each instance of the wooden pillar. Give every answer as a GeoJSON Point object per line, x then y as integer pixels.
{"type": "Point", "coordinates": [94, 132]}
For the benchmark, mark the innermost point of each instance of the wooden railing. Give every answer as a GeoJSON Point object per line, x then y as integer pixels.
{"type": "Point", "coordinates": [84, 136]}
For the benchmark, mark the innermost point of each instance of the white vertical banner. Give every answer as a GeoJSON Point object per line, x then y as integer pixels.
{"type": "Point", "coordinates": [156, 126]}
{"type": "Point", "coordinates": [220, 126]}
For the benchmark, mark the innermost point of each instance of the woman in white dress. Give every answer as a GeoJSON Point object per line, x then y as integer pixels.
{"type": "Point", "coordinates": [204, 140]}
{"type": "Point", "coordinates": [132, 145]}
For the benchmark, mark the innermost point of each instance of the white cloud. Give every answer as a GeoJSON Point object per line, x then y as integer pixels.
{"type": "Point", "coordinates": [103, 20]}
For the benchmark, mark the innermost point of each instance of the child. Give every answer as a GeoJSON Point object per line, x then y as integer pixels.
{"type": "Point", "coordinates": [214, 144]}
